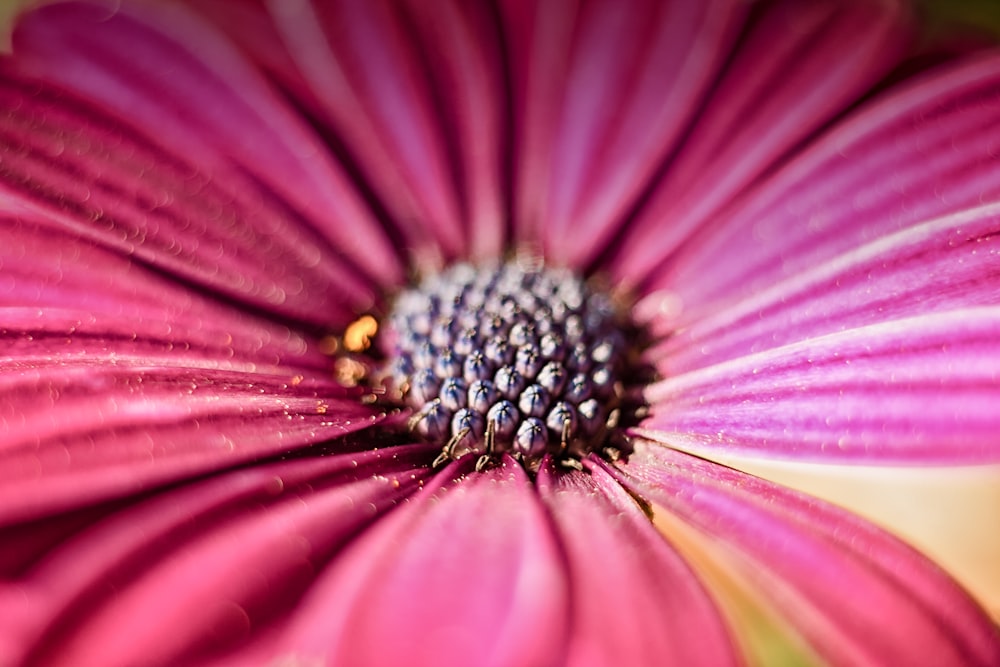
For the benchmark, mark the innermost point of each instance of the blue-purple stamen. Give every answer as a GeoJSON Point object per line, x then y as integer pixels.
{"type": "Point", "coordinates": [518, 359]}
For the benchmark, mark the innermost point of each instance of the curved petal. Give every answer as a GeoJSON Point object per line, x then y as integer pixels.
{"type": "Point", "coordinates": [944, 264]}
{"type": "Point", "coordinates": [96, 428]}
{"type": "Point", "coordinates": [461, 43]}
{"type": "Point", "coordinates": [940, 510]}
{"type": "Point", "coordinates": [114, 379]}
{"type": "Point", "coordinates": [467, 574]}
{"type": "Point", "coordinates": [927, 150]}
{"type": "Point", "coordinates": [363, 68]}
{"type": "Point", "coordinates": [635, 602]}
{"type": "Point", "coordinates": [916, 390]}
{"type": "Point", "coordinates": [602, 91]}
{"type": "Point", "coordinates": [197, 569]}
{"type": "Point", "coordinates": [159, 167]}
{"type": "Point", "coordinates": [836, 577]}
{"type": "Point", "coordinates": [790, 75]}
{"type": "Point", "coordinates": [62, 294]}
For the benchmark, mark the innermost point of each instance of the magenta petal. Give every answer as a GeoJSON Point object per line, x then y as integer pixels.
{"type": "Point", "coordinates": [941, 265]}
{"type": "Point", "coordinates": [271, 221]}
{"type": "Point", "coordinates": [602, 91]}
{"type": "Point", "coordinates": [539, 35]}
{"type": "Point", "coordinates": [925, 151]}
{"type": "Point", "coordinates": [114, 379]}
{"type": "Point", "coordinates": [467, 574]}
{"type": "Point", "coordinates": [917, 390]}
{"type": "Point", "coordinates": [63, 295]}
{"type": "Point", "coordinates": [461, 44]}
{"type": "Point", "coordinates": [97, 427]}
{"type": "Point", "coordinates": [362, 66]}
{"type": "Point", "coordinates": [635, 601]}
{"type": "Point", "coordinates": [858, 595]}
{"type": "Point", "coordinates": [790, 75]}
{"type": "Point", "coordinates": [214, 564]}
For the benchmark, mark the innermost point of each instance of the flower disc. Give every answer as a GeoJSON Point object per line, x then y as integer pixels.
{"type": "Point", "coordinates": [511, 358]}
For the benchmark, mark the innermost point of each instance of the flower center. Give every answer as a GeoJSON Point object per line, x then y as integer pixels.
{"type": "Point", "coordinates": [510, 358]}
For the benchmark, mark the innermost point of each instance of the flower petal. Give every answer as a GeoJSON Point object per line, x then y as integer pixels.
{"type": "Point", "coordinates": [939, 510]}
{"type": "Point", "coordinates": [467, 574]}
{"type": "Point", "coordinates": [941, 265]}
{"type": "Point", "coordinates": [159, 166]}
{"type": "Point", "coordinates": [360, 63]}
{"type": "Point", "coordinates": [461, 43]}
{"type": "Point", "coordinates": [926, 151]}
{"type": "Point", "coordinates": [114, 379]}
{"type": "Point", "coordinates": [602, 92]}
{"type": "Point", "coordinates": [837, 578]}
{"type": "Point", "coordinates": [916, 390]}
{"type": "Point", "coordinates": [790, 75]}
{"type": "Point", "coordinates": [635, 602]}
{"type": "Point", "coordinates": [61, 295]}
{"type": "Point", "coordinates": [215, 562]}
{"type": "Point", "coordinates": [75, 434]}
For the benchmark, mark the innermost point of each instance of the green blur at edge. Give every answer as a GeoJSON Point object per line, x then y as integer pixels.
{"type": "Point", "coordinates": [981, 15]}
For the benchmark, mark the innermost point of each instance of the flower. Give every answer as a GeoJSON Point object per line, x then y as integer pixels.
{"type": "Point", "coordinates": [200, 202]}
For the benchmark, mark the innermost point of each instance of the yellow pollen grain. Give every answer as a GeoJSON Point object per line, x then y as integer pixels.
{"type": "Point", "coordinates": [349, 372]}
{"type": "Point", "coordinates": [359, 333]}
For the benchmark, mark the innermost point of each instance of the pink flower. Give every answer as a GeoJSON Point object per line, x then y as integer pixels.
{"type": "Point", "coordinates": [197, 201]}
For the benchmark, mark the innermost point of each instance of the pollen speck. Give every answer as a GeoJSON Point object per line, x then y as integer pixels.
{"type": "Point", "coordinates": [349, 372]}
{"type": "Point", "coordinates": [359, 334]}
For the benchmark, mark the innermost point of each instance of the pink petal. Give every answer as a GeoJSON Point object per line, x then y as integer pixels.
{"type": "Point", "coordinates": [62, 294]}
{"type": "Point", "coordinates": [635, 602]}
{"type": "Point", "coordinates": [160, 166]}
{"type": "Point", "coordinates": [916, 390]}
{"type": "Point", "coordinates": [461, 44]}
{"type": "Point", "coordinates": [214, 564]}
{"type": "Point", "coordinates": [940, 510]}
{"type": "Point", "coordinates": [466, 574]}
{"type": "Point", "coordinates": [799, 64]}
{"type": "Point", "coordinates": [102, 425]}
{"type": "Point", "coordinates": [25, 544]}
{"type": "Point", "coordinates": [944, 264]}
{"type": "Point", "coordinates": [601, 94]}
{"type": "Point", "coordinates": [858, 595]}
{"type": "Point", "coordinates": [362, 66]}
{"type": "Point", "coordinates": [926, 151]}
{"type": "Point", "coordinates": [114, 379]}
{"type": "Point", "coordinates": [539, 37]}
